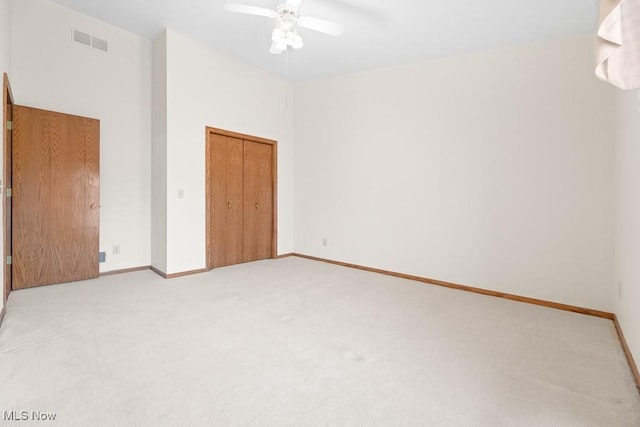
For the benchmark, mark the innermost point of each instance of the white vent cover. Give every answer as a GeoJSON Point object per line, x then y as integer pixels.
{"type": "Point", "coordinates": [80, 37]}
{"type": "Point", "coordinates": [89, 40]}
{"type": "Point", "coordinates": [100, 44]}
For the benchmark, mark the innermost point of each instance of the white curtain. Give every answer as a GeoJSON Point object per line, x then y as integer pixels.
{"type": "Point", "coordinates": [618, 43]}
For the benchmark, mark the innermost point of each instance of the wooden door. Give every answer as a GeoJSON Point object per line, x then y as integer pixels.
{"type": "Point", "coordinates": [258, 201]}
{"type": "Point", "coordinates": [8, 117]}
{"type": "Point", "coordinates": [55, 197]}
{"type": "Point", "coordinates": [241, 198]}
{"type": "Point", "coordinates": [226, 182]}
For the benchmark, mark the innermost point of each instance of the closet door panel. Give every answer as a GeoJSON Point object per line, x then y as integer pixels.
{"type": "Point", "coordinates": [258, 201]}
{"type": "Point", "coordinates": [226, 183]}
{"type": "Point", "coordinates": [235, 181]}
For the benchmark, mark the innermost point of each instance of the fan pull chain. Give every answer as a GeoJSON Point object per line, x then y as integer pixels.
{"type": "Point", "coordinates": [286, 63]}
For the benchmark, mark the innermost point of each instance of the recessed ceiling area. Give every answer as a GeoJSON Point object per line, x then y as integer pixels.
{"type": "Point", "coordinates": [377, 34]}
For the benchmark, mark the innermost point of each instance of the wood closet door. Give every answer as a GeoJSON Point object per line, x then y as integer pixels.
{"type": "Point", "coordinates": [226, 187]}
{"type": "Point", "coordinates": [56, 197]}
{"type": "Point", "coordinates": [258, 201]}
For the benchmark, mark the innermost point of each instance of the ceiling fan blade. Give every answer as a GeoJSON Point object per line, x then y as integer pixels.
{"type": "Point", "coordinates": [249, 10]}
{"type": "Point", "coordinates": [321, 25]}
{"type": "Point", "coordinates": [275, 49]}
{"type": "Point", "coordinates": [294, 3]}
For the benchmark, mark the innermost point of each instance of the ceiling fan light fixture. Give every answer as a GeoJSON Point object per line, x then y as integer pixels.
{"type": "Point", "coordinates": [284, 37]}
{"type": "Point", "coordinates": [289, 38]}
{"type": "Point", "coordinates": [281, 45]}
{"type": "Point", "coordinates": [277, 35]}
{"type": "Point", "coordinates": [275, 50]}
{"type": "Point", "coordinates": [287, 25]}
{"type": "Point", "coordinates": [288, 19]}
{"type": "Point", "coordinates": [297, 41]}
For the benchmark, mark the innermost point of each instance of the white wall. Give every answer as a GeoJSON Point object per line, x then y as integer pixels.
{"type": "Point", "coordinates": [206, 88]}
{"type": "Point", "coordinates": [159, 154]}
{"type": "Point", "coordinates": [5, 67]}
{"type": "Point", "coordinates": [5, 36]}
{"type": "Point", "coordinates": [52, 72]}
{"type": "Point", "coordinates": [492, 170]}
{"type": "Point", "coordinates": [627, 222]}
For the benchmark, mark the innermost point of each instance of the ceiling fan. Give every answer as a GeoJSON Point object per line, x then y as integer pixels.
{"type": "Point", "coordinates": [285, 34]}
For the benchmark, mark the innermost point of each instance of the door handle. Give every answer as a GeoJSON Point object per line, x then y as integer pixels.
{"type": "Point", "coordinates": [93, 206]}
{"type": "Point", "coordinates": [256, 206]}
{"type": "Point", "coordinates": [228, 205]}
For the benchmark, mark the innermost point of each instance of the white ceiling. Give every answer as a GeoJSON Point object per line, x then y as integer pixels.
{"type": "Point", "coordinates": [377, 33]}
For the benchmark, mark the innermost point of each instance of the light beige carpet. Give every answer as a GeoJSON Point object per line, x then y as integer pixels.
{"type": "Point", "coordinates": [293, 342]}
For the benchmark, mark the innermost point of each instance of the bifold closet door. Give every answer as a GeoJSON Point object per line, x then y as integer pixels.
{"type": "Point", "coordinates": [258, 201]}
{"type": "Point", "coordinates": [226, 189]}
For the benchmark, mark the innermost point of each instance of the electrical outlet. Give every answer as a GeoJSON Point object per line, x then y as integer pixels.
{"type": "Point", "coordinates": [116, 249]}
{"type": "Point", "coordinates": [324, 241]}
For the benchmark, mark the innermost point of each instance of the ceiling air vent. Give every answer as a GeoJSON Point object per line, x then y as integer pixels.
{"type": "Point", "coordinates": [91, 41]}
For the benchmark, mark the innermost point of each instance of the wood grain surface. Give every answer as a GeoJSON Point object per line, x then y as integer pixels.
{"type": "Point", "coordinates": [241, 198]}
{"type": "Point", "coordinates": [225, 200]}
{"type": "Point", "coordinates": [258, 198]}
{"type": "Point", "coordinates": [56, 193]}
